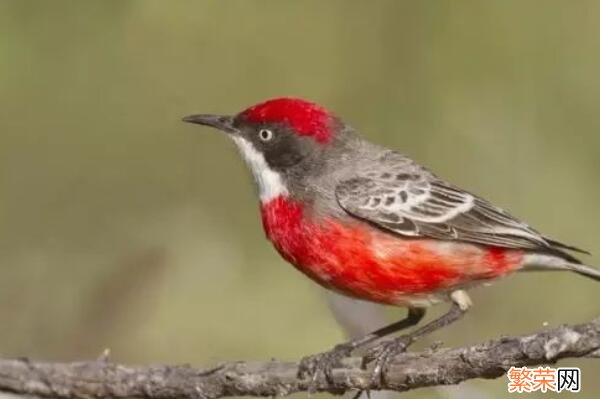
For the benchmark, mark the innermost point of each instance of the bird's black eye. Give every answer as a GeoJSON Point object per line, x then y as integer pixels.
{"type": "Point", "coordinates": [265, 134]}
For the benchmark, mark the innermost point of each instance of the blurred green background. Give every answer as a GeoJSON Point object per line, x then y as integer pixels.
{"type": "Point", "coordinates": [123, 227]}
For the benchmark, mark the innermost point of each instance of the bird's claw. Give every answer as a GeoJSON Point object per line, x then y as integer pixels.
{"type": "Point", "coordinates": [381, 354]}
{"type": "Point", "coordinates": [322, 364]}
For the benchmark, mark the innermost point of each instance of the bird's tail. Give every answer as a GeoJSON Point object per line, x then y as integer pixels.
{"type": "Point", "coordinates": [550, 262]}
{"type": "Point", "coordinates": [584, 270]}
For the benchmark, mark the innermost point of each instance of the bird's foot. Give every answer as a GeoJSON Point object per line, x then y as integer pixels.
{"type": "Point", "coordinates": [381, 354]}
{"type": "Point", "coordinates": [322, 364]}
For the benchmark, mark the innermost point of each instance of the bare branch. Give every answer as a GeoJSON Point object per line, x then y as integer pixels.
{"type": "Point", "coordinates": [101, 379]}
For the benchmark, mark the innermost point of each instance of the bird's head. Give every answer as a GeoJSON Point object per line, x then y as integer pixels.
{"type": "Point", "coordinates": [276, 136]}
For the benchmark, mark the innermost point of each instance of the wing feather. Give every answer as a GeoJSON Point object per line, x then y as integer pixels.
{"type": "Point", "coordinates": [408, 200]}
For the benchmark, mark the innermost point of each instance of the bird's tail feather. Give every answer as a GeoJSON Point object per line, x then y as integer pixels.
{"type": "Point", "coordinates": [550, 262]}
{"type": "Point", "coordinates": [584, 270]}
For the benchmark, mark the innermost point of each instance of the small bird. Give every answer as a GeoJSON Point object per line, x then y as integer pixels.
{"type": "Point", "coordinates": [370, 223]}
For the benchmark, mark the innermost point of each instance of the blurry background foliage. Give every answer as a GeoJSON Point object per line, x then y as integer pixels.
{"type": "Point", "coordinates": [123, 227]}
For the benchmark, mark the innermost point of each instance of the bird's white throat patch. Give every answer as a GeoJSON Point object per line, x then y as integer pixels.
{"type": "Point", "coordinates": [270, 183]}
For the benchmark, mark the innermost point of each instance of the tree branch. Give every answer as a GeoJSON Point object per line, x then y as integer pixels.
{"type": "Point", "coordinates": [101, 379]}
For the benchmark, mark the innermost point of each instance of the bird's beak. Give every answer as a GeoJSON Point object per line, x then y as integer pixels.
{"type": "Point", "coordinates": [221, 122]}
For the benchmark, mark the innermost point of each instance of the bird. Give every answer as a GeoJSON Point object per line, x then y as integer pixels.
{"type": "Point", "coordinates": [370, 223]}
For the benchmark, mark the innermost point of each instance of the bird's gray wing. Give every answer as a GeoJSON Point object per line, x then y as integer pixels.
{"type": "Point", "coordinates": [399, 196]}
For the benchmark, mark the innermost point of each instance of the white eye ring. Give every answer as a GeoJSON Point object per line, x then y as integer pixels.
{"type": "Point", "coordinates": [265, 134]}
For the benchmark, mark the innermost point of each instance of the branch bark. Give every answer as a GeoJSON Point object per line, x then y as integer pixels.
{"type": "Point", "coordinates": [102, 379]}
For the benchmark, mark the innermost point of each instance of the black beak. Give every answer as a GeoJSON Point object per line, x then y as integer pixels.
{"type": "Point", "coordinates": [221, 122]}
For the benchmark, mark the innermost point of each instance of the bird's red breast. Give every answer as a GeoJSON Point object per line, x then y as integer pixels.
{"type": "Point", "coordinates": [362, 261]}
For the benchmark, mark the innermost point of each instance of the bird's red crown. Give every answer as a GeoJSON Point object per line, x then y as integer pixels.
{"type": "Point", "coordinates": [304, 117]}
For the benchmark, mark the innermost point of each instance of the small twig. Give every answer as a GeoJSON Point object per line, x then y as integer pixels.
{"type": "Point", "coordinates": [102, 379]}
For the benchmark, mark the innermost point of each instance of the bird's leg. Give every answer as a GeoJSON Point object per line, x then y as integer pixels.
{"type": "Point", "coordinates": [383, 352]}
{"type": "Point", "coordinates": [324, 362]}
